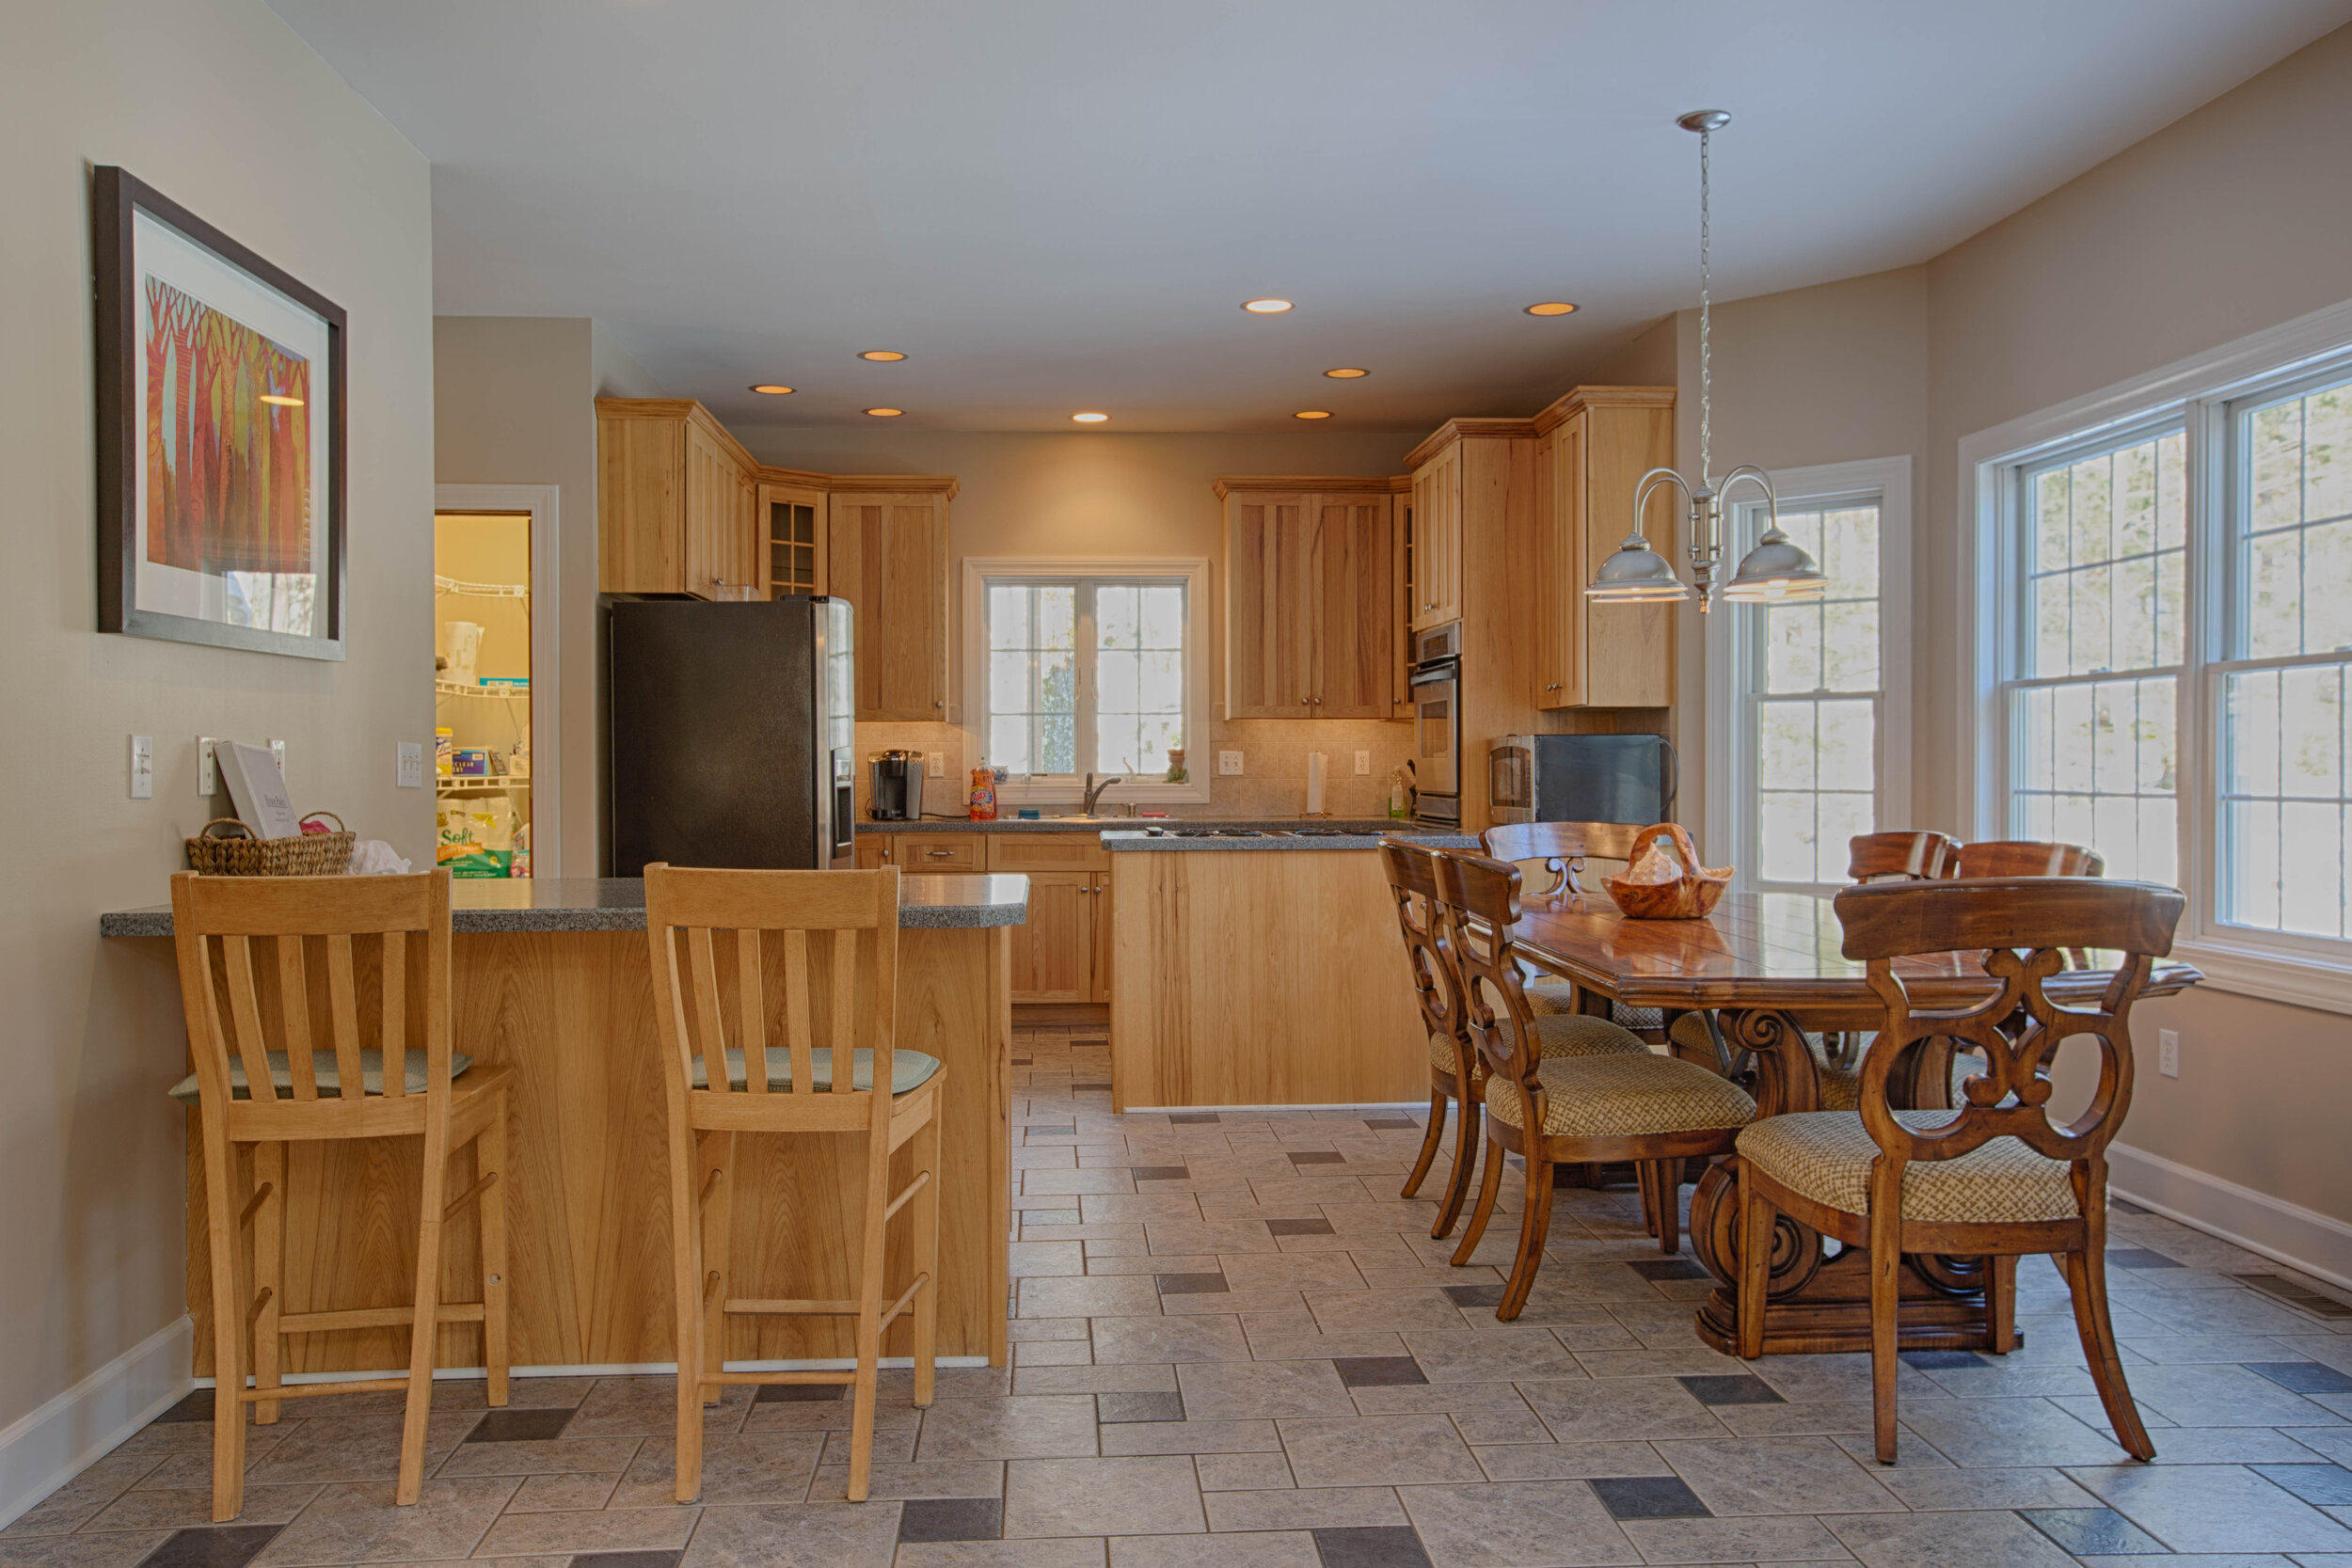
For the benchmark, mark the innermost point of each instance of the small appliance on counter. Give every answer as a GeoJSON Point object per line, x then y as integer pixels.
{"type": "Point", "coordinates": [1581, 778]}
{"type": "Point", "coordinates": [895, 794]}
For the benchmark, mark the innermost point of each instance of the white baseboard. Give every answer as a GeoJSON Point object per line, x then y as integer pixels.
{"type": "Point", "coordinates": [1264, 1110]}
{"type": "Point", "coordinates": [2303, 1239]}
{"type": "Point", "coordinates": [51, 1446]}
{"type": "Point", "coordinates": [615, 1368]}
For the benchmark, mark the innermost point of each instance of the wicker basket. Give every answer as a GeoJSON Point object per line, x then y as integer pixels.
{"type": "Point", "coordinates": [240, 854]}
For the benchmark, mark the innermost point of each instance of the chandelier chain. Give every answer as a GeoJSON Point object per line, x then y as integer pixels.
{"type": "Point", "coordinates": [1707, 467]}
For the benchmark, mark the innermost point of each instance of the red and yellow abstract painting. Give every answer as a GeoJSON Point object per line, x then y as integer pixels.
{"type": "Point", "coordinates": [228, 442]}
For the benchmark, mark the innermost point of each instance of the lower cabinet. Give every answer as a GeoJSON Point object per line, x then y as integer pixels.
{"type": "Point", "coordinates": [1063, 953]}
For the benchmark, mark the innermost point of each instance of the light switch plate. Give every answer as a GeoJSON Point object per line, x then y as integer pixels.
{"type": "Point", "coordinates": [207, 768]}
{"type": "Point", "coordinates": [408, 767]}
{"type": "Point", "coordinates": [142, 768]}
{"type": "Point", "coordinates": [1363, 764]}
{"type": "Point", "coordinates": [2168, 1052]}
{"type": "Point", "coordinates": [1228, 764]}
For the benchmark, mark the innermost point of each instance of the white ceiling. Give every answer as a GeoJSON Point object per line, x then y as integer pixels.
{"type": "Point", "coordinates": [1059, 204]}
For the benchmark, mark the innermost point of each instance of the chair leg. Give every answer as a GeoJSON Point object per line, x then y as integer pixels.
{"type": "Point", "coordinates": [223, 1244]}
{"type": "Point", "coordinates": [1466, 1141]}
{"type": "Point", "coordinates": [1535, 1230]}
{"type": "Point", "coordinates": [1756, 1217]}
{"type": "Point", "coordinates": [1490, 1188]}
{"type": "Point", "coordinates": [489, 1159]}
{"type": "Point", "coordinates": [2087, 1280]}
{"type": "Point", "coordinates": [1665, 1185]}
{"type": "Point", "coordinates": [718, 1231]}
{"type": "Point", "coordinates": [1645, 1183]}
{"type": "Point", "coordinates": [686, 1309]}
{"type": "Point", "coordinates": [1429, 1142]}
{"type": "Point", "coordinates": [424, 1325]}
{"type": "Point", "coordinates": [870, 1285]}
{"type": "Point", "coordinates": [926, 1251]}
{"type": "Point", "coordinates": [1886, 1262]}
{"type": "Point", "coordinates": [269, 1275]}
{"type": "Point", "coordinates": [2000, 1303]}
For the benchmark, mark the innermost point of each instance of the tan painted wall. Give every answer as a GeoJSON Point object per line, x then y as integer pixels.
{"type": "Point", "coordinates": [293, 164]}
{"type": "Point", "coordinates": [1106, 494]}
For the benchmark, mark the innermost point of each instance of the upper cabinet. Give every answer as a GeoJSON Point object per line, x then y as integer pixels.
{"type": "Point", "coordinates": [1595, 445]}
{"type": "Point", "coordinates": [793, 530]}
{"type": "Point", "coordinates": [886, 553]}
{"type": "Point", "coordinates": [675, 500]}
{"type": "Point", "coordinates": [1310, 601]}
{"type": "Point", "coordinates": [1436, 552]}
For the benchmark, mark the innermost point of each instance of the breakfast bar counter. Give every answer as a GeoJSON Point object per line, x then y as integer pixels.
{"type": "Point", "coordinates": [555, 979]}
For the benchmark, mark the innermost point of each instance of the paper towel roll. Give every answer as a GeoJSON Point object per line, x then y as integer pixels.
{"type": "Point", "coordinates": [1315, 783]}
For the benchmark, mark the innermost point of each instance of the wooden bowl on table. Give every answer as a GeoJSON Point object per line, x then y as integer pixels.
{"type": "Point", "coordinates": [1694, 892]}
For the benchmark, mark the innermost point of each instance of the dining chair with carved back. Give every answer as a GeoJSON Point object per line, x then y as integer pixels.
{"type": "Point", "coordinates": [1997, 1177]}
{"type": "Point", "coordinates": [364, 963]}
{"type": "Point", "coordinates": [2026, 857]}
{"type": "Point", "coordinates": [1456, 1078]}
{"type": "Point", "coordinates": [1562, 849]}
{"type": "Point", "coordinates": [816, 952]}
{"type": "Point", "coordinates": [1650, 1110]}
{"type": "Point", "coordinates": [1920, 855]}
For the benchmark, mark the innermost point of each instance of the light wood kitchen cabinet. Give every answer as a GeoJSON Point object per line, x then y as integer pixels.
{"type": "Point", "coordinates": [887, 555]}
{"type": "Point", "coordinates": [793, 530]}
{"type": "Point", "coordinates": [675, 497]}
{"type": "Point", "coordinates": [1437, 540]}
{"type": "Point", "coordinates": [1063, 954]}
{"type": "Point", "coordinates": [1310, 603]}
{"type": "Point", "coordinates": [1597, 442]}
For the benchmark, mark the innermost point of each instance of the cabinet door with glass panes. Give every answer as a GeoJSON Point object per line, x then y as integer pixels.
{"type": "Point", "coordinates": [792, 539]}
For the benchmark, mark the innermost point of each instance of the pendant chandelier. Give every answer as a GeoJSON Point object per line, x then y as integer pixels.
{"type": "Point", "coordinates": [1777, 568]}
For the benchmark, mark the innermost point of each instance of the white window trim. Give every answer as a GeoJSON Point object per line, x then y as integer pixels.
{"type": "Point", "coordinates": [2232, 958]}
{"type": "Point", "coordinates": [1731, 763]}
{"type": "Point", "coordinates": [546, 649]}
{"type": "Point", "coordinates": [1193, 570]}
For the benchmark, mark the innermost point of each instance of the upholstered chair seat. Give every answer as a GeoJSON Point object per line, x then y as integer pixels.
{"type": "Point", "coordinates": [1560, 1035]}
{"type": "Point", "coordinates": [1622, 1097]}
{"type": "Point", "coordinates": [1826, 1156]}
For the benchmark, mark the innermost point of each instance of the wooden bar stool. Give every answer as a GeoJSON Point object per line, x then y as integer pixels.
{"type": "Point", "coordinates": [355, 958]}
{"type": "Point", "coordinates": [819, 950]}
{"type": "Point", "coordinates": [1997, 1178]}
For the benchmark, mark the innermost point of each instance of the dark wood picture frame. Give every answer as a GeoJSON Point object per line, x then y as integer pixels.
{"type": "Point", "coordinates": [115, 196]}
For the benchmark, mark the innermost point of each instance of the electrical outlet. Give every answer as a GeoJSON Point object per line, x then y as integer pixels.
{"type": "Point", "coordinates": [2168, 1052]}
{"type": "Point", "coordinates": [1363, 764]}
{"type": "Point", "coordinates": [937, 766]}
{"type": "Point", "coordinates": [142, 768]}
{"type": "Point", "coordinates": [1228, 764]}
{"type": "Point", "coordinates": [277, 754]}
{"type": "Point", "coordinates": [408, 765]}
{"type": "Point", "coordinates": [207, 768]}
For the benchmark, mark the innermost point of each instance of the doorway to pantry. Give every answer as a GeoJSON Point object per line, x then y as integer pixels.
{"type": "Point", "coordinates": [485, 755]}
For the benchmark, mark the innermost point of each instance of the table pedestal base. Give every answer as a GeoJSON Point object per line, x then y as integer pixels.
{"type": "Point", "coordinates": [1819, 1303]}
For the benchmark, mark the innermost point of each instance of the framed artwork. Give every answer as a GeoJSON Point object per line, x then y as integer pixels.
{"type": "Point", "coordinates": [220, 436]}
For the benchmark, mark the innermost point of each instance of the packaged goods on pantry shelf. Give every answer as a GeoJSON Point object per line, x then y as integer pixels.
{"type": "Point", "coordinates": [478, 839]}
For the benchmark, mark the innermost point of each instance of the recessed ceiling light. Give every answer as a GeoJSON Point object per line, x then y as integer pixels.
{"type": "Point", "coordinates": [771, 389]}
{"type": "Point", "coordinates": [282, 399]}
{"type": "Point", "coordinates": [1313, 414]}
{"type": "Point", "coordinates": [1551, 307]}
{"type": "Point", "coordinates": [1265, 306]}
{"type": "Point", "coordinates": [1089, 418]}
{"type": "Point", "coordinates": [885, 412]}
{"type": "Point", "coordinates": [880, 355]}
{"type": "Point", "coordinates": [1346, 373]}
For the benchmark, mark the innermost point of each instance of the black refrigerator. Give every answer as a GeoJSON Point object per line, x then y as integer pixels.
{"type": "Point", "coordinates": [731, 733]}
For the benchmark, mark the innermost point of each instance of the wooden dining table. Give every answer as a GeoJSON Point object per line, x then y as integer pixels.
{"type": "Point", "coordinates": [1768, 965]}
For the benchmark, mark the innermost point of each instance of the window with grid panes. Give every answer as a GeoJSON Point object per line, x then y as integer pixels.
{"type": "Point", "coordinates": [2093, 703]}
{"type": "Point", "coordinates": [1085, 676]}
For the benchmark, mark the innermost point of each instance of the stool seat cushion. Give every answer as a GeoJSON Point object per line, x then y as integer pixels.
{"type": "Point", "coordinates": [1558, 1034]}
{"type": "Point", "coordinates": [330, 1077]}
{"type": "Point", "coordinates": [1827, 1155]}
{"type": "Point", "coordinates": [1624, 1097]}
{"type": "Point", "coordinates": [909, 1070]}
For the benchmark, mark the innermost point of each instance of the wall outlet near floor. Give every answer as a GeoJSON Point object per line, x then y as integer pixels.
{"type": "Point", "coordinates": [408, 765]}
{"type": "Point", "coordinates": [1228, 764]}
{"type": "Point", "coordinates": [207, 768]}
{"type": "Point", "coordinates": [2168, 1052]}
{"type": "Point", "coordinates": [1363, 764]}
{"type": "Point", "coordinates": [935, 765]}
{"type": "Point", "coordinates": [142, 768]}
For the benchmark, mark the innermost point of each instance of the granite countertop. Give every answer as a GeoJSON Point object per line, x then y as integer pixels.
{"type": "Point", "coordinates": [1373, 826]}
{"type": "Point", "coordinates": [618, 904]}
{"type": "Point", "coordinates": [1117, 839]}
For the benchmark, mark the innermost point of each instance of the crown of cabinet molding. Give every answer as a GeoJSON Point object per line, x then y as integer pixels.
{"type": "Point", "coordinates": [678, 408]}
{"type": "Point", "coordinates": [1324, 484]}
{"type": "Point", "coordinates": [688, 408]}
{"type": "Point", "coordinates": [1577, 399]}
{"type": "Point", "coordinates": [1468, 430]}
{"type": "Point", "coordinates": [886, 484]}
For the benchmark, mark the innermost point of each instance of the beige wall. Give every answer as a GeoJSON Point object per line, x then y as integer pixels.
{"type": "Point", "coordinates": [2235, 218]}
{"type": "Point", "coordinates": [1104, 494]}
{"type": "Point", "coordinates": [218, 105]}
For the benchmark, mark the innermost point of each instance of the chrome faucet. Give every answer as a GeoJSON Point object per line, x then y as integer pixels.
{"type": "Point", "coordinates": [1094, 793]}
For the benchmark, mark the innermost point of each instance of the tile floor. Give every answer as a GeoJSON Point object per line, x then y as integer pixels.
{"type": "Point", "coordinates": [1235, 1346]}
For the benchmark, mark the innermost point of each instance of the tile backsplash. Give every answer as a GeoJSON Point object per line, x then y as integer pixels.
{"type": "Point", "coordinates": [1273, 782]}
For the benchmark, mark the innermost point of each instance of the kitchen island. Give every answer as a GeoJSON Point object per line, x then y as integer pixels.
{"type": "Point", "coordinates": [1263, 968]}
{"type": "Point", "coordinates": [554, 978]}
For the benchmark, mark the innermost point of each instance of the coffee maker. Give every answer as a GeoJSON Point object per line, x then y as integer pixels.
{"type": "Point", "coordinates": [897, 792]}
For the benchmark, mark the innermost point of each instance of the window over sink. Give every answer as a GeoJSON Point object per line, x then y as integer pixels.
{"type": "Point", "coordinates": [1088, 667]}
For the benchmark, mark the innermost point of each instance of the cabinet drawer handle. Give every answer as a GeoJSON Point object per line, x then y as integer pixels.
{"type": "Point", "coordinates": [938, 854]}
